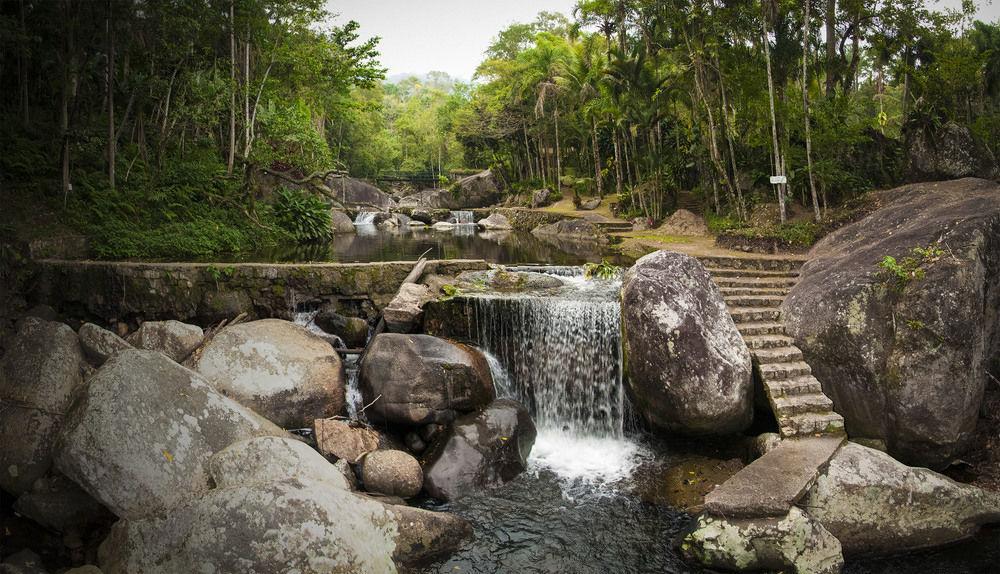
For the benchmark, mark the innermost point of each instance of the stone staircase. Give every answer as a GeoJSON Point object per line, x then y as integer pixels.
{"type": "Point", "coordinates": [754, 290]}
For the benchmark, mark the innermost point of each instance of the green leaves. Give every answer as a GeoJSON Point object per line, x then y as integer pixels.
{"type": "Point", "coordinates": [303, 216]}
{"type": "Point", "coordinates": [899, 274]}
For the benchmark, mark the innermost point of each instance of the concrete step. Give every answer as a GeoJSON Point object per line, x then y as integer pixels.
{"type": "Point", "coordinates": [765, 263]}
{"type": "Point", "coordinates": [766, 282]}
{"type": "Point", "coordinates": [754, 300]}
{"type": "Point", "coordinates": [811, 424]}
{"type": "Point", "coordinates": [803, 385]}
{"type": "Point", "coordinates": [759, 328]}
{"type": "Point", "coordinates": [738, 291]}
{"type": "Point", "coordinates": [772, 484]}
{"type": "Point", "coordinates": [754, 314]}
{"type": "Point", "coordinates": [816, 403]}
{"type": "Point", "coordinates": [723, 272]}
{"type": "Point", "coordinates": [790, 354]}
{"type": "Point", "coordinates": [755, 342]}
{"type": "Point", "coordinates": [784, 371]}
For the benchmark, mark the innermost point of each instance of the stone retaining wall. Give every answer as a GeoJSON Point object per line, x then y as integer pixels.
{"type": "Point", "coordinates": [204, 293]}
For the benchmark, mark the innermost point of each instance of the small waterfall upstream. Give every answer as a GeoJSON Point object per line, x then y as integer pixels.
{"type": "Point", "coordinates": [560, 354]}
{"type": "Point", "coordinates": [365, 218]}
{"type": "Point", "coordinates": [462, 218]}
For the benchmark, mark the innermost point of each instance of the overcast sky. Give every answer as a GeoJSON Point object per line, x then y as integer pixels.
{"type": "Point", "coordinates": [419, 36]}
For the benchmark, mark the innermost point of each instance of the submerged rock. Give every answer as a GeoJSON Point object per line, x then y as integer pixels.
{"type": "Point", "coordinates": [481, 450]}
{"type": "Point", "coordinates": [277, 368]}
{"type": "Point", "coordinates": [418, 379]}
{"type": "Point", "coordinates": [139, 437]}
{"type": "Point", "coordinates": [689, 369]}
{"type": "Point", "coordinates": [905, 360]}
{"type": "Point", "coordinates": [172, 338]}
{"type": "Point", "coordinates": [793, 543]}
{"type": "Point", "coordinates": [876, 505]}
{"type": "Point", "coordinates": [39, 375]}
{"type": "Point", "coordinates": [393, 473]}
{"type": "Point", "coordinates": [100, 344]}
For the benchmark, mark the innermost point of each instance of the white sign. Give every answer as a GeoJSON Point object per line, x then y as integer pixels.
{"type": "Point", "coordinates": [778, 179]}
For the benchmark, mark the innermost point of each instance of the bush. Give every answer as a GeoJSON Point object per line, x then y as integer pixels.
{"type": "Point", "coordinates": [301, 215]}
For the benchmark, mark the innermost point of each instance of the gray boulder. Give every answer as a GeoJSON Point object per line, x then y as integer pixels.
{"type": "Point", "coordinates": [689, 369]}
{"type": "Point", "coordinates": [59, 504]}
{"type": "Point", "coordinates": [481, 450]}
{"type": "Point", "coordinates": [39, 376]}
{"type": "Point", "coordinates": [403, 313]}
{"type": "Point", "coordinates": [480, 190]}
{"type": "Point", "coordinates": [351, 192]}
{"type": "Point", "coordinates": [100, 344]}
{"type": "Point", "coordinates": [420, 379]}
{"type": "Point", "coordinates": [950, 151]}
{"type": "Point", "coordinates": [572, 228]}
{"type": "Point", "coordinates": [344, 440]}
{"type": "Point", "coordinates": [874, 504]}
{"type": "Point", "coordinates": [340, 222]}
{"type": "Point", "coordinates": [430, 216]}
{"type": "Point", "coordinates": [495, 221]}
{"type": "Point", "coordinates": [278, 507]}
{"type": "Point", "coordinates": [353, 331]}
{"type": "Point", "coordinates": [541, 198]}
{"type": "Point", "coordinates": [139, 437]}
{"type": "Point", "coordinates": [794, 543]}
{"type": "Point", "coordinates": [393, 473]}
{"type": "Point", "coordinates": [280, 369]}
{"type": "Point", "coordinates": [906, 361]}
{"type": "Point", "coordinates": [172, 338]}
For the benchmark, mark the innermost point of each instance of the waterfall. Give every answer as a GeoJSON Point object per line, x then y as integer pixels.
{"type": "Point", "coordinates": [462, 218]}
{"type": "Point", "coordinates": [563, 358]}
{"type": "Point", "coordinates": [365, 218]}
{"type": "Point", "coordinates": [561, 355]}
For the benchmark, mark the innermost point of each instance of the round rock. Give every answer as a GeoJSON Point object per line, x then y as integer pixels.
{"type": "Point", "coordinates": [393, 473]}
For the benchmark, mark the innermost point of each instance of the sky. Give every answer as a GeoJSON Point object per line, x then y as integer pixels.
{"type": "Point", "coordinates": [419, 36]}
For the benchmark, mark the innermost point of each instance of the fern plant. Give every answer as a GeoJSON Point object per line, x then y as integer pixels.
{"type": "Point", "coordinates": [303, 216]}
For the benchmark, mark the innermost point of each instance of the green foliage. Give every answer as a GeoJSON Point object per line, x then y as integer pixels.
{"type": "Point", "coordinates": [899, 274]}
{"type": "Point", "coordinates": [450, 290]}
{"type": "Point", "coordinates": [603, 270]}
{"type": "Point", "coordinates": [794, 235]}
{"type": "Point", "coordinates": [291, 139]}
{"type": "Point", "coordinates": [302, 215]}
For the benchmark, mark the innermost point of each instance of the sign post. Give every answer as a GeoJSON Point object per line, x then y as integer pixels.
{"type": "Point", "coordinates": [778, 180]}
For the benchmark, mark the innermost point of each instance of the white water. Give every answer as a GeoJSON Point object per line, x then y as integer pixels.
{"type": "Point", "coordinates": [462, 218]}
{"type": "Point", "coordinates": [365, 218]}
{"type": "Point", "coordinates": [561, 356]}
{"type": "Point", "coordinates": [354, 399]}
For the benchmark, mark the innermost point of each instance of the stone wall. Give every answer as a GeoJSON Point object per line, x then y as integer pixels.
{"type": "Point", "coordinates": [204, 293]}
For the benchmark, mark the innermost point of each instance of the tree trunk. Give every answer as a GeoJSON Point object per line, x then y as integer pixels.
{"type": "Point", "coordinates": [735, 177]}
{"type": "Point", "coordinates": [831, 46]}
{"type": "Point", "coordinates": [22, 71]}
{"type": "Point", "coordinates": [597, 159]}
{"type": "Point", "coordinates": [805, 109]}
{"type": "Point", "coordinates": [69, 91]}
{"type": "Point", "coordinates": [618, 162]}
{"type": "Point", "coordinates": [778, 161]}
{"type": "Point", "coordinates": [558, 160]}
{"type": "Point", "coordinates": [231, 160]}
{"type": "Point", "coordinates": [112, 144]}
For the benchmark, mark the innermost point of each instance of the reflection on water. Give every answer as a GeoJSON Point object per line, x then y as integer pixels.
{"type": "Point", "coordinates": [372, 243]}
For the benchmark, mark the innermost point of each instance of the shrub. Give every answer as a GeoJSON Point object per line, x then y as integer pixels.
{"type": "Point", "coordinates": [303, 216]}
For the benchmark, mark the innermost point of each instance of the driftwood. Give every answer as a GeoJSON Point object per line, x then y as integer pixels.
{"type": "Point", "coordinates": [412, 277]}
{"type": "Point", "coordinates": [210, 334]}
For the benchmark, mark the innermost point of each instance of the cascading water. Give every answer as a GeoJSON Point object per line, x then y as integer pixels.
{"type": "Point", "coordinates": [365, 218]}
{"type": "Point", "coordinates": [462, 218]}
{"type": "Point", "coordinates": [354, 399]}
{"type": "Point", "coordinates": [560, 354]}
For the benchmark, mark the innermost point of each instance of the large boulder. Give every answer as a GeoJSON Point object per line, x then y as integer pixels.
{"type": "Point", "coordinates": [905, 358]}
{"type": "Point", "coordinates": [139, 437]}
{"type": "Point", "coordinates": [874, 504]}
{"type": "Point", "coordinates": [495, 221]}
{"type": "Point", "coordinates": [278, 368]}
{"type": "Point", "coordinates": [340, 222]}
{"type": "Point", "coordinates": [100, 344]}
{"type": "Point", "coordinates": [392, 473]}
{"type": "Point", "coordinates": [344, 440]}
{"type": "Point", "coordinates": [413, 380]}
{"type": "Point", "coordinates": [172, 338]}
{"type": "Point", "coordinates": [351, 192]}
{"type": "Point", "coordinates": [950, 151]}
{"type": "Point", "coordinates": [575, 228]}
{"type": "Point", "coordinates": [59, 504]}
{"type": "Point", "coordinates": [689, 369]}
{"type": "Point", "coordinates": [541, 198]}
{"type": "Point", "coordinates": [481, 450]}
{"type": "Point", "coordinates": [39, 375]}
{"type": "Point", "coordinates": [795, 543]}
{"type": "Point", "coordinates": [353, 331]}
{"type": "Point", "coordinates": [278, 506]}
{"type": "Point", "coordinates": [479, 190]}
